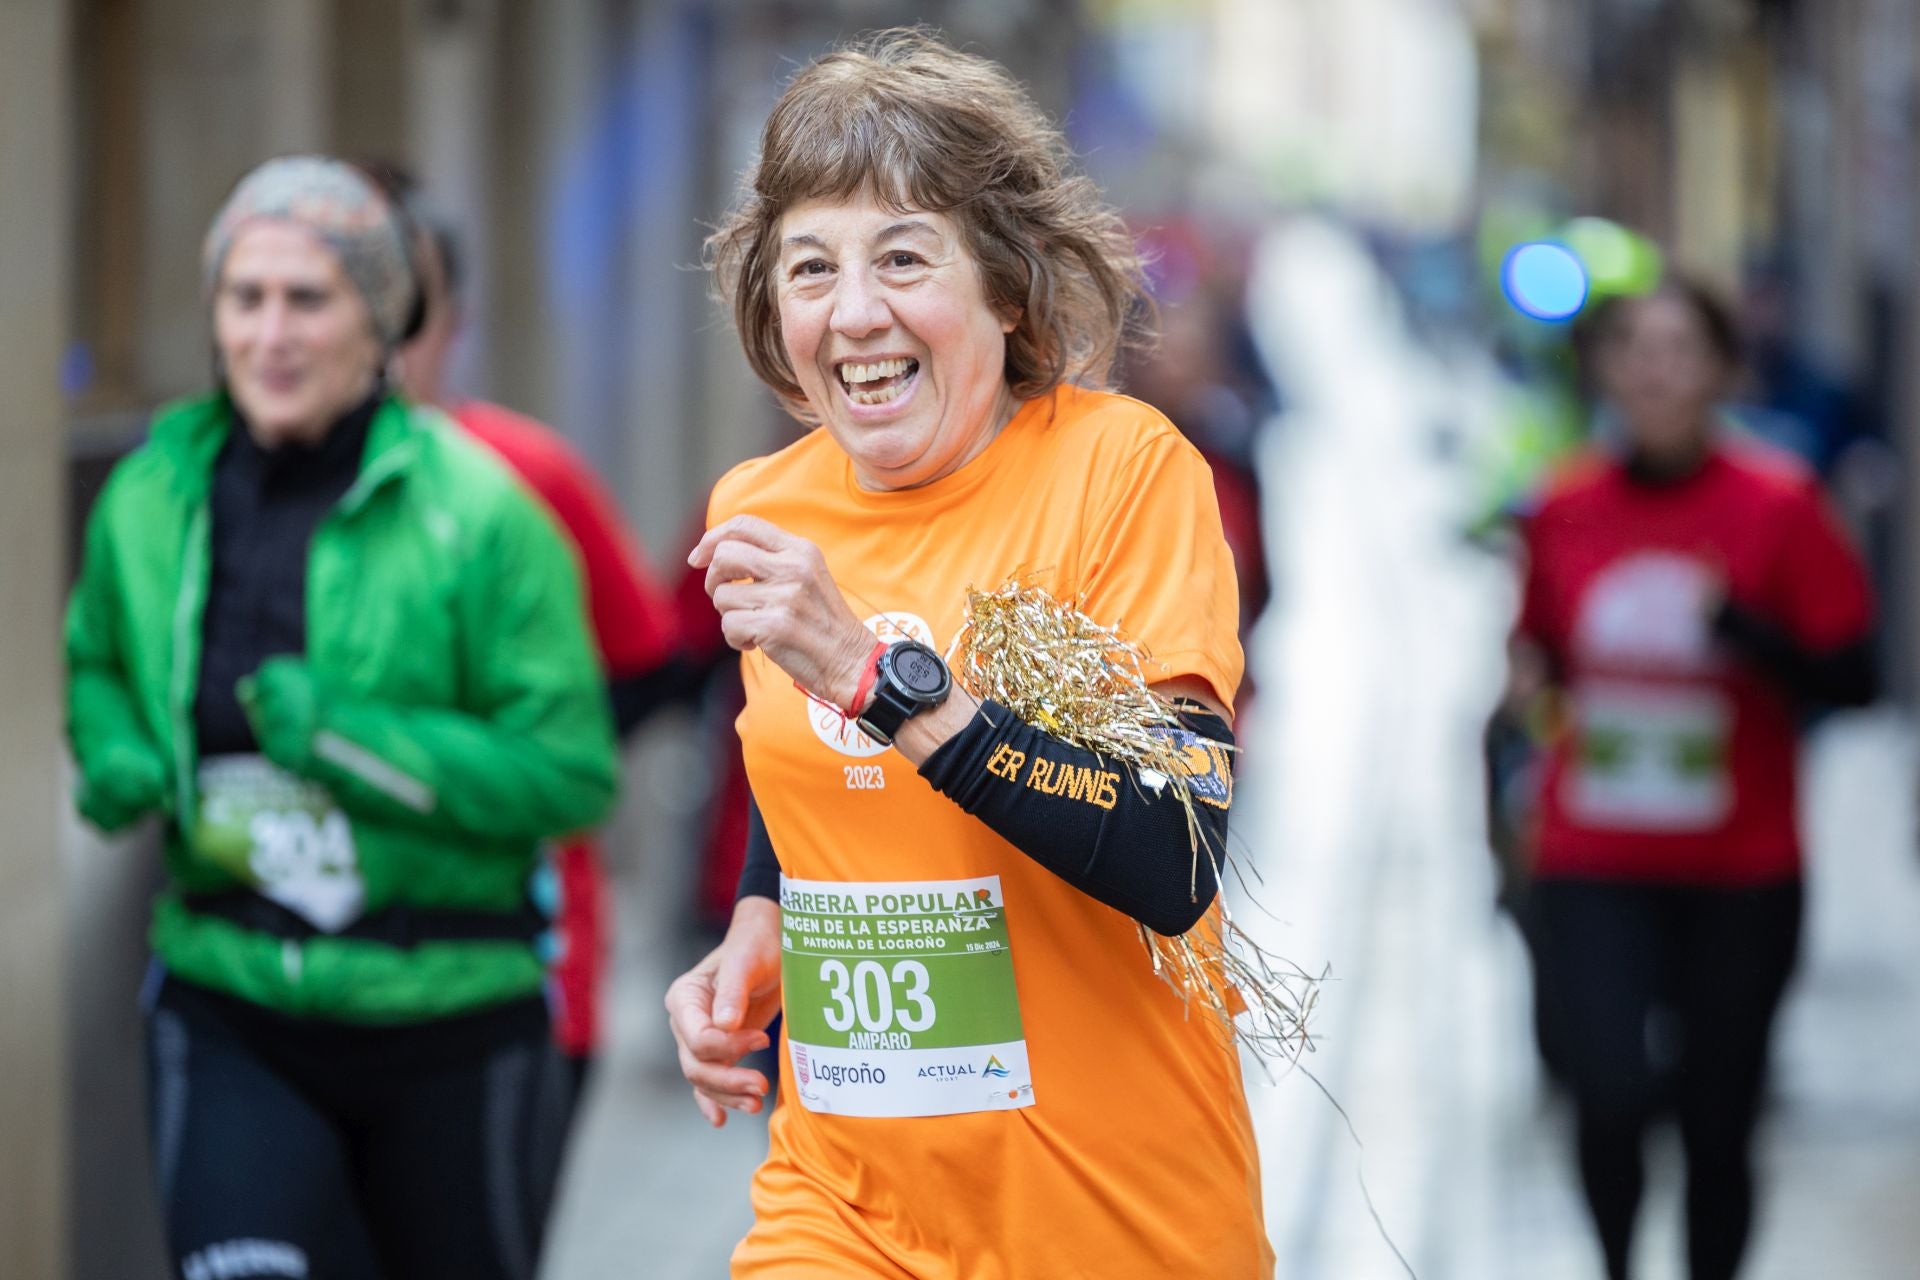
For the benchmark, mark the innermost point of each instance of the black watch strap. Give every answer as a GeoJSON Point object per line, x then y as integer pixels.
{"type": "Point", "coordinates": [883, 717]}
{"type": "Point", "coordinates": [911, 679]}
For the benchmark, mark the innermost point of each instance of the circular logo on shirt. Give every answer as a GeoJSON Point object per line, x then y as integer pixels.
{"type": "Point", "coordinates": [842, 734]}
{"type": "Point", "coordinates": [1648, 609]}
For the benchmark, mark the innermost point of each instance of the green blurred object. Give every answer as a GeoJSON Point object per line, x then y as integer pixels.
{"type": "Point", "coordinates": [122, 783]}
{"type": "Point", "coordinates": [282, 702]}
{"type": "Point", "coordinates": [1541, 422]}
{"type": "Point", "coordinates": [1620, 262]}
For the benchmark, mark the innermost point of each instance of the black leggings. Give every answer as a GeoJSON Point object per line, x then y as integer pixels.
{"type": "Point", "coordinates": [1714, 962]}
{"type": "Point", "coordinates": [321, 1151]}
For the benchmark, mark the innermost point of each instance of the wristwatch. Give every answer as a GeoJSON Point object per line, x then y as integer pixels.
{"type": "Point", "coordinates": [911, 678]}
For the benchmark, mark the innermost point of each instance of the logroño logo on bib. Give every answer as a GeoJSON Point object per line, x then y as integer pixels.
{"type": "Point", "coordinates": [844, 735]}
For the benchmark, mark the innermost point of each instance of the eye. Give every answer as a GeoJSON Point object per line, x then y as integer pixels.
{"type": "Point", "coordinates": [812, 267]}
{"type": "Point", "coordinates": [900, 258]}
{"type": "Point", "coordinates": [244, 296]}
{"type": "Point", "coordinates": [308, 299]}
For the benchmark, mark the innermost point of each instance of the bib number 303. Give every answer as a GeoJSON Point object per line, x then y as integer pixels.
{"type": "Point", "coordinates": [849, 994]}
{"type": "Point", "coordinates": [900, 998]}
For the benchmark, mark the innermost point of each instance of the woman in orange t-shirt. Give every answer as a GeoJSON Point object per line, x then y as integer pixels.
{"type": "Point", "coordinates": [986, 1077]}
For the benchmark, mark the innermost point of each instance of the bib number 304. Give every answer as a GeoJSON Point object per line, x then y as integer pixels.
{"type": "Point", "coordinates": [294, 846]}
{"type": "Point", "coordinates": [281, 834]}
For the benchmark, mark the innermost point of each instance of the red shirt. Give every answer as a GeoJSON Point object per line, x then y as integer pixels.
{"type": "Point", "coordinates": [1677, 758]}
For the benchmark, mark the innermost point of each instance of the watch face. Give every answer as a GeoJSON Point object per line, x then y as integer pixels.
{"type": "Point", "coordinates": [919, 670]}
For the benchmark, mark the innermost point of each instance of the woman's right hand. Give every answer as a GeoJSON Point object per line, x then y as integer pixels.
{"type": "Point", "coordinates": [774, 593]}
{"type": "Point", "coordinates": [720, 1008]}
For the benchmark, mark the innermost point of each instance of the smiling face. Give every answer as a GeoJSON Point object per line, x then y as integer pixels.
{"type": "Point", "coordinates": [295, 337]}
{"type": "Point", "coordinates": [891, 337]}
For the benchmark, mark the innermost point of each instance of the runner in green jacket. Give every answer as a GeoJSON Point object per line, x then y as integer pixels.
{"type": "Point", "coordinates": [455, 711]}
{"type": "Point", "coordinates": [343, 653]}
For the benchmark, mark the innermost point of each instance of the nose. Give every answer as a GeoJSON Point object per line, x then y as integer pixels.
{"type": "Point", "coordinates": [859, 306]}
{"type": "Point", "coordinates": [275, 319]}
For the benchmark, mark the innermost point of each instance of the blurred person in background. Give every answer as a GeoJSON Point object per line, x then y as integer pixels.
{"type": "Point", "coordinates": [341, 654]}
{"type": "Point", "coordinates": [632, 617]}
{"type": "Point", "coordinates": [1788, 399]}
{"type": "Point", "coordinates": [1686, 597]}
{"type": "Point", "coordinates": [1204, 375]}
{"type": "Point", "coordinates": [914, 267]}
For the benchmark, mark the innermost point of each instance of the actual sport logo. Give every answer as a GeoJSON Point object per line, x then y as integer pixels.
{"type": "Point", "coordinates": [834, 729]}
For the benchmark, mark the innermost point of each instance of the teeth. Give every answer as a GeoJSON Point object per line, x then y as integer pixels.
{"type": "Point", "coordinates": [880, 395]}
{"type": "Point", "coordinates": [851, 373]}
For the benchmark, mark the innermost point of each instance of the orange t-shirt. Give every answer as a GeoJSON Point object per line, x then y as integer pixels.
{"type": "Point", "coordinates": [1125, 1147]}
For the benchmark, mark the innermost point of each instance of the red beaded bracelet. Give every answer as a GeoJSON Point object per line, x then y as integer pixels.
{"type": "Point", "coordinates": [868, 675]}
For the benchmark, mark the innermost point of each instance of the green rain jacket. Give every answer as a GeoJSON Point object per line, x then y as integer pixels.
{"type": "Point", "coordinates": [460, 716]}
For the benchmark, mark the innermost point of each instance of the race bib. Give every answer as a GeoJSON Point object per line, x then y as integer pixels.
{"type": "Point", "coordinates": [1649, 758]}
{"type": "Point", "coordinates": [899, 998]}
{"type": "Point", "coordinates": [281, 834]}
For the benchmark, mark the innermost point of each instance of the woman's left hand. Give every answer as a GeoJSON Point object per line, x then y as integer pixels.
{"type": "Point", "coordinates": [282, 702]}
{"type": "Point", "coordinates": [774, 594]}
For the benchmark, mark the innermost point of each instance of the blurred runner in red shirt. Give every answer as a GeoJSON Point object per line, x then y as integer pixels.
{"type": "Point", "coordinates": [633, 619]}
{"type": "Point", "coordinates": [1685, 601]}
{"type": "Point", "coordinates": [1205, 374]}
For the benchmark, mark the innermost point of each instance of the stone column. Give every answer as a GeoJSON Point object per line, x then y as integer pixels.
{"type": "Point", "coordinates": [35, 116]}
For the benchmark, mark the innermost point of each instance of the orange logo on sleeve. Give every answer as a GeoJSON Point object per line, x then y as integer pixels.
{"type": "Point", "coordinates": [1208, 768]}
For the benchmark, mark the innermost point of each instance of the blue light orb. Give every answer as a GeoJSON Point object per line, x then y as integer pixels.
{"type": "Point", "coordinates": [1544, 280]}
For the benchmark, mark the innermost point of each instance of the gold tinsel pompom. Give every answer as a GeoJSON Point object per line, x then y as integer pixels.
{"type": "Point", "coordinates": [1086, 683]}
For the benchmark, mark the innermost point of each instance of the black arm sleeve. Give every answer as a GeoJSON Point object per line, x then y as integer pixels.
{"type": "Point", "coordinates": [1100, 825]}
{"type": "Point", "coordinates": [760, 874]}
{"type": "Point", "coordinates": [1844, 677]}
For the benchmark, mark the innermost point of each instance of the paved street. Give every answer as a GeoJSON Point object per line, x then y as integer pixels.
{"type": "Point", "coordinates": [1360, 806]}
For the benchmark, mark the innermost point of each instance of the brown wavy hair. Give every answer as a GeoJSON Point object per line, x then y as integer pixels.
{"type": "Point", "coordinates": [920, 125]}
